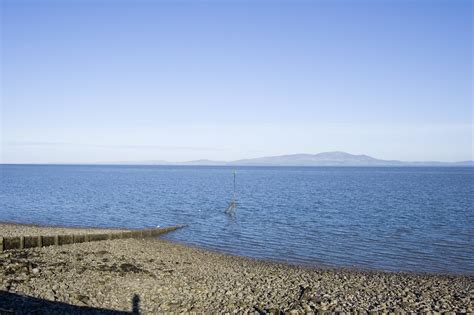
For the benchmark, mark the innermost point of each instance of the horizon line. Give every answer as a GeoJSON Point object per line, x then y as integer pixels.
{"type": "Point", "coordinates": [228, 162]}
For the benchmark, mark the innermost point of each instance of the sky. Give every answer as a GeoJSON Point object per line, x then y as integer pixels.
{"type": "Point", "coordinates": [106, 81]}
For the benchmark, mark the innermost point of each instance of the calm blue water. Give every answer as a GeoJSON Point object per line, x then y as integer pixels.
{"type": "Point", "coordinates": [398, 219]}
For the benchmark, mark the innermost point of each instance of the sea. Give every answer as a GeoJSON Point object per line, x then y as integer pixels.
{"type": "Point", "coordinates": [401, 219]}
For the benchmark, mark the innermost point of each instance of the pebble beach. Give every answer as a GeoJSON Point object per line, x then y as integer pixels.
{"type": "Point", "coordinates": [150, 276]}
{"type": "Point", "coordinates": [13, 229]}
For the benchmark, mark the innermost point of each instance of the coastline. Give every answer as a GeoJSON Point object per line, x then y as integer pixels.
{"type": "Point", "coordinates": [19, 229]}
{"type": "Point", "coordinates": [320, 267]}
{"type": "Point", "coordinates": [167, 276]}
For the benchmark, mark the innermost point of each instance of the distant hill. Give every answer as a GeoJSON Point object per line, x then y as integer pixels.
{"type": "Point", "coordinates": [336, 158]}
{"type": "Point", "coordinates": [321, 159]}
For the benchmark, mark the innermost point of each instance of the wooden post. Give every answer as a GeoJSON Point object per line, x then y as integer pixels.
{"type": "Point", "coordinates": [56, 240]}
{"type": "Point", "coordinates": [40, 241]}
{"type": "Point", "coordinates": [1, 244]}
{"type": "Point", "coordinates": [22, 242]}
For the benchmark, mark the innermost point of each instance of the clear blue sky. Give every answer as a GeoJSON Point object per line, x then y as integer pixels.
{"type": "Point", "coordinates": [94, 81]}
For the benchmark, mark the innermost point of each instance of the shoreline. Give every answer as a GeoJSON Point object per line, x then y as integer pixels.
{"type": "Point", "coordinates": [39, 225]}
{"type": "Point", "coordinates": [172, 276]}
{"type": "Point", "coordinates": [321, 267]}
{"type": "Point", "coordinates": [40, 228]}
{"type": "Point", "coordinates": [20, 229]}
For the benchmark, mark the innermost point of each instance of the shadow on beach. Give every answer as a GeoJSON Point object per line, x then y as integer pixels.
{"type": "Point", "coordinates": [11, 303]}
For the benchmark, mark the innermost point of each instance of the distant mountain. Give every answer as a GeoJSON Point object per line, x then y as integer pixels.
{"type": "Point", "coordinates": [321, 159]}
{"type": "Point", "coordinates": [336, 158]}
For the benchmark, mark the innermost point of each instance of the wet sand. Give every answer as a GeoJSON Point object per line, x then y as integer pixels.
{"type": "Point", "coordinates": [155, 275]}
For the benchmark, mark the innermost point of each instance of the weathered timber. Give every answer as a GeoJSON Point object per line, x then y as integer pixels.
{"type": "Point", "coordinates": [21, 242]}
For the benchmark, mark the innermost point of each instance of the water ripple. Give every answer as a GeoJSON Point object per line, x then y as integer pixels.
{"type": "Point", "coordinates": [399, 219]}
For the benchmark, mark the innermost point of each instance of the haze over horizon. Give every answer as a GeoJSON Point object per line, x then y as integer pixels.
{"type": "Point", "coordinates": [92, 81]}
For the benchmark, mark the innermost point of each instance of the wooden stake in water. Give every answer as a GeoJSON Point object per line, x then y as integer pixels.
{"type": "Point", "coordinates": [233, 204]}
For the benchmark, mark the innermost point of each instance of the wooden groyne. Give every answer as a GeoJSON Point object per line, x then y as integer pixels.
{"type": "Point", "coordinates": [22, 242]}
